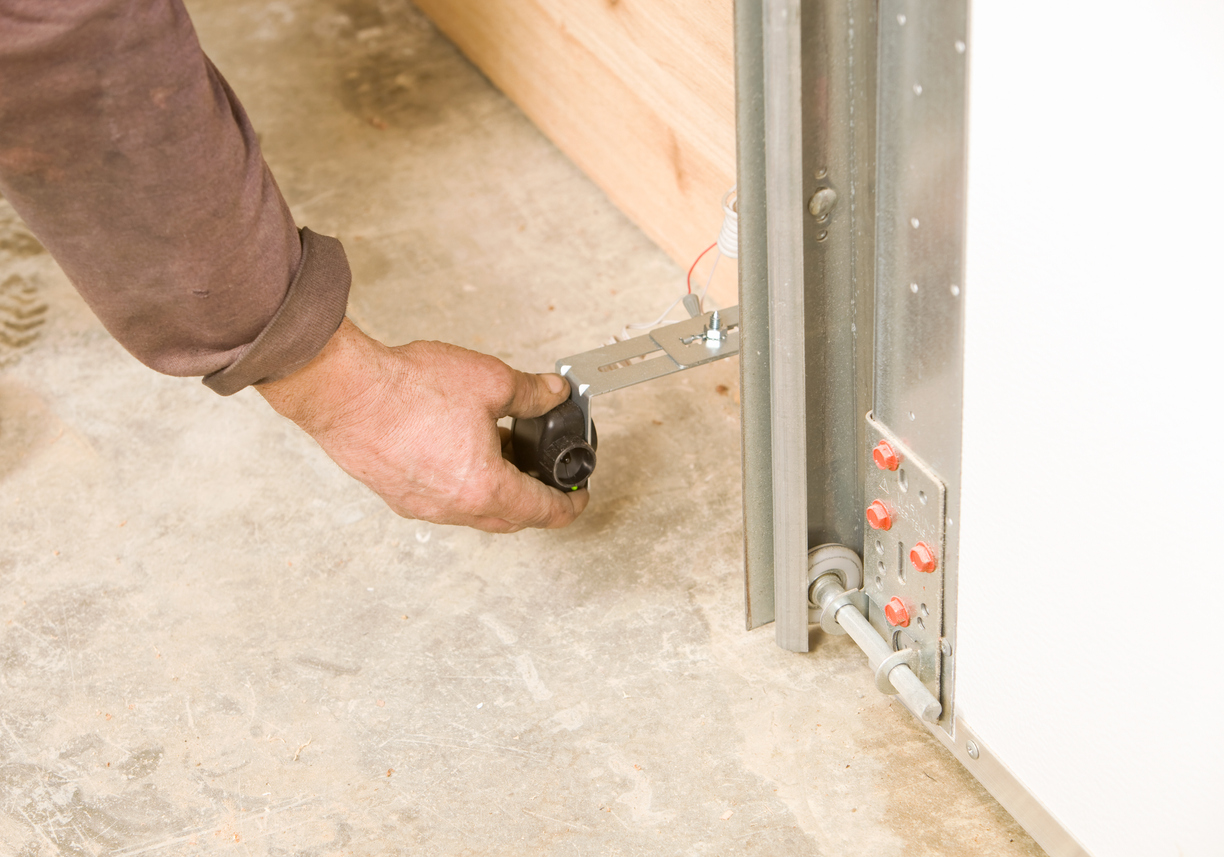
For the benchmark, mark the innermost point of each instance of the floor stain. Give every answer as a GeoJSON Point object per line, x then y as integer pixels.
{"type": "Point", "coordinates": [23, 311]}
{"type": "Point", "coordinates": [394, 70]}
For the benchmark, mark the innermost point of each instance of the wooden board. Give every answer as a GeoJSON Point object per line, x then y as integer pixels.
{"type": "Point", "coordinates": [640, 94]}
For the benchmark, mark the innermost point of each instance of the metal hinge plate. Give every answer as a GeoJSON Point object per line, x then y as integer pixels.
{"type": "Point", "coordinates": [916, 501]}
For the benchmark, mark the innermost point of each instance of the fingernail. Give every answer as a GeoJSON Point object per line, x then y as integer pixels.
{"type": "Point", "coordinates": [555, 383]}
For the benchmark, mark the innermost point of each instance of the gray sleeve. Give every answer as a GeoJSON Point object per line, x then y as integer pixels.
{"type": "Point", "coordinates": [129, 157]}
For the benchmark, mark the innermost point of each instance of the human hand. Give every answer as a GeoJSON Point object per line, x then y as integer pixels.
{"type": "Point", "coordinates": [417, 423]}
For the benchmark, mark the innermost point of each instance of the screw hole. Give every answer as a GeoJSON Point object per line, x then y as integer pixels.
{"type": "Point", "coordinates": [879, 582]}
{"type": "Point", "coordinates": [879, 547]}
{"type": "Point", "coordinates": [922, 608]}
{"type": "Point", "coordinates": [902, 479]}
{"type": "Point", "coordinates": [921, 624]}
{"type": "Point", "coordinates": [922, 497]}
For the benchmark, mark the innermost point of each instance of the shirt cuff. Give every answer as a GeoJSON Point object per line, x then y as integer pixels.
{"type": "Point", "coordinates": [312, 311]}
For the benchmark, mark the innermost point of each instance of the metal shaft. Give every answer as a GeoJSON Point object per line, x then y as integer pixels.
{"type": "Point", "coordinates": [911, 691]}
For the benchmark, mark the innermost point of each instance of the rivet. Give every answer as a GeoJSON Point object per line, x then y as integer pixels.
{"type": "Point", "coordinates": [822, 202]}
{"type": "Point", "coordinates": [972, 750]}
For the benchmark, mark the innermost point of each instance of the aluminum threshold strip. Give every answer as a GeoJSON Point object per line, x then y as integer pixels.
{"type": "Point", "coordinates": [1015, 797]}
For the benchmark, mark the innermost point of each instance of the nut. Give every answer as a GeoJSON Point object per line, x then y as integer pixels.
{"type": "Point", "coordinates": [879, 516]}
{"type": "Point", "coordinates": [885, 456]}
{"type": "Point", "coordinates": [896, 613]}
{"type": "Point", "coordinates": [923, 557]}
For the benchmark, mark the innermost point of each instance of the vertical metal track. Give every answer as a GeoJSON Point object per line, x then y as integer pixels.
{"type": "Point", "coordinates": [806, 88]}
{"type": "Point", "coordinates": [754, 315]}
{"type": "Point", "coordinates": [839, 58]}
{"type": "Point", "coordinates": [788, 401]}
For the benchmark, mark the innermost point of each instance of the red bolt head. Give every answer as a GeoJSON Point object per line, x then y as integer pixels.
{"type": "Point", "coordinates": [896, 613]}
{"type": "Point", "coordinates": [878, 515]}
{"type": "Point", "coordinates": [885, 456]}
{"type": "Point", "coordinates": [923, 557]}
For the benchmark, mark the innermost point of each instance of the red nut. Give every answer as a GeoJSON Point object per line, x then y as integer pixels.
{"type": "Point", "coordinates": [885, 456]}
{"type": "Point", "coordinates": [879, 516]}
{"type": "Point", "coordinates": [923, 557]}
{"type": "Point", "coordinates": [896, 613]}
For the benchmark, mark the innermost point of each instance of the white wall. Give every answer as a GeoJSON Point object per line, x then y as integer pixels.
{"type": "Point", "coordinates": [1091, 617]}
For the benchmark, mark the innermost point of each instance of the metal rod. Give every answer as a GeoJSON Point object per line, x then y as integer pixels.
{"type": "Point", "coordinates": [911, 691]}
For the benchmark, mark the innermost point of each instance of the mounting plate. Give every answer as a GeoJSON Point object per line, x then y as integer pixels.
{"type": "Point", "coordinates": [916, 500]}
{"type": "Point", "coordinates": [665, 350]}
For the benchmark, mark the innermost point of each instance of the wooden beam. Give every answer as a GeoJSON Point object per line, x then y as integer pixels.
{"type": "Point", "coordinates": [640, 94]}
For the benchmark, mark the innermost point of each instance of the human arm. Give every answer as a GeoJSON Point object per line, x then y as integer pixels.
{"type": "Point", "coordinates": [131, 159]}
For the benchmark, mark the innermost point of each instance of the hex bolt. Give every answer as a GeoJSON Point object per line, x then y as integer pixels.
{"type": "Point", "coordinates": [822, 202]}
{"type": "Point", "coordinates": [896, 613]}
{"type": "Point", "coordinates": [879, 516]}
{"type": "Point", "coordinates": [715, 333]}
{"type": "Point", "coordinates": [923, 558]}
{"type": "Point", "coordinates": [885, 457]}
{"type": "Point", "coordinates": [972, 749]}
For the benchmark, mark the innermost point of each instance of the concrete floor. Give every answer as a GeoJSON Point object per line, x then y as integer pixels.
{"type": "Point", "coordinates": [213, 642]}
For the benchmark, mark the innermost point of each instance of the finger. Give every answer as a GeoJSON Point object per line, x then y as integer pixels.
{"type": "Point", "coordinates": [534, 395]}
{"type": "Point", "coordinates": [525, 501]}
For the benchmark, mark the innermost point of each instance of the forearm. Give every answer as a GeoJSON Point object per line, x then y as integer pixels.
{"type": "Point", "coordinates": [129, 157]}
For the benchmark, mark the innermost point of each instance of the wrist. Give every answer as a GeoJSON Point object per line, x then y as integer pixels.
{"type": "Point", "coordinates": [333, 389]}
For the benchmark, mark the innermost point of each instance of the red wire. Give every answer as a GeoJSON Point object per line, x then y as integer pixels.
{"type": "Point", "coordinates": [689, 278]}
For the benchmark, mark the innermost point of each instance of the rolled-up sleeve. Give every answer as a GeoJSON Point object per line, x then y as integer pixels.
{"type": "Point", "coordinates": [130, 158]}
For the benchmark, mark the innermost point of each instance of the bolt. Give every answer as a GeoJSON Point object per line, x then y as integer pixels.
{"type": "Point", "coordinates": [822, 202]}
{"type": "Point", "coordinates": [923, 557]}
{"type": "Point", "coordinates": [714, 330]}
{"type": "Point", "coordinates": [878, 516]}
{"type": "Point", "coordinates": [972, 749]}
{"type": "Point", "coordinates": [896, 613]}
{"type": "Point", "coordinates": [885, 456]}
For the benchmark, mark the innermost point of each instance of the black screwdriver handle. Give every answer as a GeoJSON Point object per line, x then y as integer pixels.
{"type": "Point", "coordinates": [554, 449]}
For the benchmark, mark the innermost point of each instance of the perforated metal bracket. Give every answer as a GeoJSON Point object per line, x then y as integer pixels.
{"type": "Point", "coordinates": [696, 341]}
{"type": "Point", "coordinates": [913, 500]}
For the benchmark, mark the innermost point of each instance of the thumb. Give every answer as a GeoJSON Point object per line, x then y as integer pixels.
{"type": "Point", "coordinates": [536, 395]}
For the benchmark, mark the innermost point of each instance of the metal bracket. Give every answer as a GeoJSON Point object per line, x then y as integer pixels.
{"type": "Point", "coordinates": [696, 341]}
{"type": "Point", "coordinates": [915, 500]}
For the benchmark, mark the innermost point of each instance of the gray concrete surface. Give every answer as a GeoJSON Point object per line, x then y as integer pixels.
{"type": "Point", "coordinates": [213, 642]}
